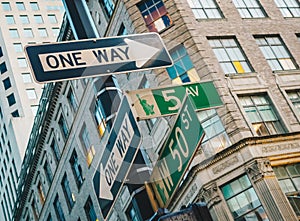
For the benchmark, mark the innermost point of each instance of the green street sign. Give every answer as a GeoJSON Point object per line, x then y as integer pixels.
{"type": "Point", "coordinates": [152, 103]}
{"type": "Point", "coordinates": [176, 154]}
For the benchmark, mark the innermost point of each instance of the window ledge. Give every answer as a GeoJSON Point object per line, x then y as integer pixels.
{"type": "Point", "coordinates": [244, 75]}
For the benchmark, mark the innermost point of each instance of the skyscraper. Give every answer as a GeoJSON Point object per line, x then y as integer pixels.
{"type": "Point", "coordinates": [247, 166]}
{"type": "Point", "coordinates": [21, 23]}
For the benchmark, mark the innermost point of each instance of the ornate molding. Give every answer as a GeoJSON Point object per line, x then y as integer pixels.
{"type": "Point", "coordinates": [191, 193]}
{"type": "Point", "coordinates": [210, 194]}
{"type": "Point", "coordinates": [224, 165]}
{"type": "Point", "coordinates": [259, 169]}
{"type": "Point", "coordinates": [281, 147]}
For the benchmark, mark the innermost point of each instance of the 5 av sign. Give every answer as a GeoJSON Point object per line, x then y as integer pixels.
{"type": "Point", "coordinates": [176, 154]}
{"type": "Point", "coordinates": [94, 57]}
{"type": "Point", "coordinates": [157, 102]}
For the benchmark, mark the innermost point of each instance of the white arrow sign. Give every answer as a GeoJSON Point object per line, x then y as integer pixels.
{"type": "Point", "coordinates": [133, 51]}
{"type": "Point", "coordinates": [110, 171]}
{"type": "Point", "coordinates": [96, 57]}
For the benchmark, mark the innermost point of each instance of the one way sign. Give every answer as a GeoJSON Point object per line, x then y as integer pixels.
{"type": "Point", "coordinates": [119, 153]}
{"type": "Point", "coordinates": [94, 57]}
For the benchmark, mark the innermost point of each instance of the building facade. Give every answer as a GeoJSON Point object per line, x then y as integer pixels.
{"type": "Point", "coordinates": [247, 166]}
{"type": "Point", "coordinates": [22, 23]}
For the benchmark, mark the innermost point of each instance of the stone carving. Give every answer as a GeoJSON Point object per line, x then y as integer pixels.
{"type": "Point", "coordinates": [259, 169]}
{"type": "Point", "coordinates": [282, 147]}
{"type": "Point", "coordinates": [210, 194]}
{"type": "Point", "coordinates": [224, 165]}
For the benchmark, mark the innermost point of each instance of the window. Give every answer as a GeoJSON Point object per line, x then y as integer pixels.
{"type": "Point", "coordinates": [31, 94]}
{"type": "Point", "coordinates": [20, 6]}
{"type": "Point", "coordinates": [15, 113]}
{"type": "Point", "coordinates": [14, 33]}
{"type": "Point", "coordinates": [230, 56]}
{"type": "Point", "coordinates": [26, 77]}
{"type": "Point", "coordinates": [55, 149]}
{"type": "Point", "coordinates": [89, 210]}
{"type": "Point", "coordinates": [11, 99]}
{"type": "Point", "coordinates": [289, 180]}
{"type": "Point", "coordinates": [34, 109]}
{"type": "Point", "coordinates": [155, 15]}
{"type": "Point", "coordinates": [100, 118]}
{"type": "Point", "coordinates": [294, 96]}
{"type": "Point", "coordinates": [6, 6]}
{"type": "Point", "coordinates": [242, 200]}
{"type": "Point", "coordinates": [41, 192]}
{"type": "Point", "coordinates": [6, 83]}
{"type": "Point", "coordinates": [38, 19]}
{"type": "Point", "coordinates": [204, 9]}
{"type": "Point", "coordinates": [24, 19]}
{"type": "Point", "coordinates": [18, 47]}
{"type": "Point", "coordinates": [108, 7]}
{"type": "Point", "coordinates": [28, 33]}
{"type": "Point", "coordinates": [132, 214]}
{"type": "Point", "coordinates": [88, 148]}
{"type": "Point", "coordinates": [122, 30]}
{"type": "Point", "coordinates": [34, 6]}
{"type": "Point", "coordinates": [48, 172]}
{"type": "Point", "coordinates": [55, 31]}
{"type": "Point", "coordinates": [249, 8]}
{"type": "Point", "coordinates": [72, 100]}
{"type": "Point", "coordinates": [67, 192]}
{"type": "Point", "coordinates": [43, 32]}
{"type": "Point", "coordinates": [289, 8]}
{"type": "Point", "coordinates": [22, 62]}
{"type": "Point", "coordinates": [10, 19]}
{"type": "Point", "coordinates": [49, 218]}
{"type": "Point", "coordinates": [183, 69]}
{"type": "Point", "coordinates": [58, 209]}
{"type": "Point", "coordinates": [34, 209]}
{"type": "Point", "coordinates": [52, 19]}
{"type": "Point", "coordinates": [63, 126]}
{"type": "Point", "coordinates": [216, 138]}
{"type": "Point", "coordinates": [275, 52]}
{"type": "Point", "coordinates": [262, 115]}
{"type": "Point", "coordinates": [1, 52]}
{"type": "Point", "coordinates": [3, 68]}
{"type": "Point", "coordinates": [76, 168]}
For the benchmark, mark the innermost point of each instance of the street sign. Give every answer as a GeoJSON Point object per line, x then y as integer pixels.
{"type": "Point", "coordinates": [95, 57]}
{"type": "Point", "coordinates": [176, 154]}
{"type": "Point", "coordinates": [122, 146]}
{"type": "Point", "coordinates": [152, 103]}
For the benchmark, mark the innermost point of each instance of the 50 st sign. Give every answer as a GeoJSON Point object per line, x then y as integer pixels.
{"type": "Point", "coordinates": [177, 154]}
{"type": "Point", "coordinates": [152, 103]}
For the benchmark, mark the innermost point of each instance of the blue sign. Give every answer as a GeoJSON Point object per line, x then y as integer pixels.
{"type": "Point", "coordinates": [118, 156]}
{"type": "Point", "coordinates": [96, 57]}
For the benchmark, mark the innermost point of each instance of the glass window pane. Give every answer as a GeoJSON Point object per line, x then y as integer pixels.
{"type": "Point", "coordinates": [24, 19]}
{"type": "Point", "coordinates": [22, 62]}
{"type": "Point", "coordinates": [13, 33]}
{"type": "Point", "coordinates": [38, 19]}
{"type": "Point", "coordinates": [10, 19]}
{"type": "Point", "coordinates": [18, 47]}
{"type": "Point", "coordinates": [34, 6]}
{"type": "Point", "coordinates": [267, 113]}
{"type": "Point", "coordinates": [20, 6]}
{"type": "Point", "coordinates": [52, 19]}
{"type": "Point", "coordinates": [6, 6]}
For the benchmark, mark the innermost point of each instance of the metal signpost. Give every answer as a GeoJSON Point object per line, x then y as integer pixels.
{"type": "Point", "coordinates": [96, 57]}
{"type": "Point", "coordinates": [152, 103]}
{"type": "Point", "coordinates": [120, 151]}
{"type": "Point", "coordinates": [176, 154]}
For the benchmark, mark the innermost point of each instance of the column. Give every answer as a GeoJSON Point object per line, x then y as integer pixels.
{"type": "Point", "coordinates": [268, 190]}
